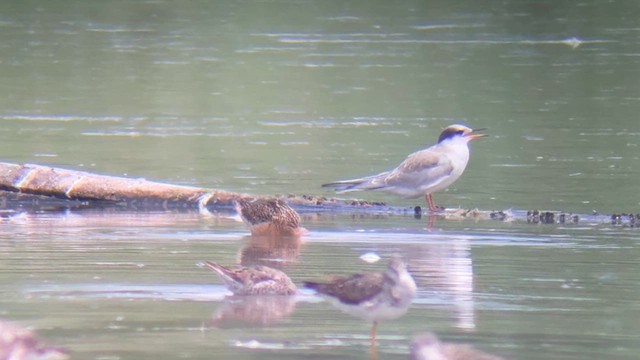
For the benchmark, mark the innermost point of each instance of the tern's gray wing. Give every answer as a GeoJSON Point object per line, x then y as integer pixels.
{"type": "Point", "coordinates": [421, 167]}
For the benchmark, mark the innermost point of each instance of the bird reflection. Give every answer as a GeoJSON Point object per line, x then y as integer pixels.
{"type": "Point", "coordinates": [253, 310]}
{"type": "Point", "coordinates": [275, 252]}
{"type": "Point", "coordinates": [275, 232]}
{"type": "Point", "coordinates": [447, 267]}
{"type": "Point", "coordinates": [427, 347]}
{"type": "Point", "coordinates": [17, 343]}
{"type": "Point", "coordinates": [261, 295]}
{"type": "Point", "coordinates": [372, 296]}
{"type": "Point", "coordinates": [274, 242]}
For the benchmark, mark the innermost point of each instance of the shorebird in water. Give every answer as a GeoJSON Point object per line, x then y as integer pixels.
{"type": "Point", "coordinates": [428, 347]}
{"type": "Point", "coordinates": [253, 280]}
{"type": "Point", "coordinates": [269, 217]}
{"type": "Point", "coordinates": [423, 172]}
{"type": "Point", "coordinates": [373, 296]}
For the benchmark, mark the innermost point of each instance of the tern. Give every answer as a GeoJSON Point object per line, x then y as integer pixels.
{"type": "Point", "coordinates": [423, 172]}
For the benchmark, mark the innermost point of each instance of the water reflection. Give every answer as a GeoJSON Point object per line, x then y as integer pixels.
{"type": "Point", "coordinates": [372, 296]}
{"type": "Point", "coordinates": [263, 295]}
{"type": "Point", "coordinates": [285, 96]}
{"type": "Point", "coordinates": [446, 268]}
{"type": "Point", "coordinates": [275, 232]}
{"type": "Point", "coordinates": [261, 310]}
{"type": "Point", "coordinates": [276, 252]}
{"type": "Point", "coordinates": [427, 346]}
{"type": "Point", "coordinates": [17, 343]}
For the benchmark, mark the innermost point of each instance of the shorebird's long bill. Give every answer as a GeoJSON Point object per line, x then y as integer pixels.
{"type": "Point", "coordinates": [475, 134]}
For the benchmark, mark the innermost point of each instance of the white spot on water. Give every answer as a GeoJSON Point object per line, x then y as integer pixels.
{"type": "Point", "coordinates": [370, 257]}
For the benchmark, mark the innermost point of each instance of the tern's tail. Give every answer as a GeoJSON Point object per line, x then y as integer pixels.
{"type": "Point", "coordinates": [346, 185]}
{"type": "Point", "coordinates": [367, 183]}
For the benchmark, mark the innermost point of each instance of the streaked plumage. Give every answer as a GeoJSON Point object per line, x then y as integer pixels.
{"type": "Point", "coordinates": [269, 217]}
{"type": "Point", "coordinates": [428, 347]}
{"type": "Point", "coordinates": [254, 280]}
{"type": "Point", "coordinates": [423, 172]}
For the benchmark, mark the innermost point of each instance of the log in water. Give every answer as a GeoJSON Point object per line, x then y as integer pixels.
{"type": "Point", "coordinates": [44, 188]}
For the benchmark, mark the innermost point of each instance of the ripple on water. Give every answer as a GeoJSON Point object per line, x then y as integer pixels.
{"type": "Point", "coordinates": [122, 291]}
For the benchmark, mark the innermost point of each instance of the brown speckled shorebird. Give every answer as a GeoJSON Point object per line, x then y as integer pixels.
{"type": "Point", "coordinates": [427, 347]}
{"type": "Point", "coordinates": [372, 296]}
{"type": "Point", "coordinates": [423, 172]}
{"type": "Point", "coordinates": [21, 344]}
{"type": "Point", "coordinates": [269, 217]}
{"type": "Point", "coordinates": [254, 280]}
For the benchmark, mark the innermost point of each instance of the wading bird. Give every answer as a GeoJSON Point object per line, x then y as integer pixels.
{"type": "Point", "coordinates": [253, 280]}
{"type": "Point", "coordinates": [423, 172]}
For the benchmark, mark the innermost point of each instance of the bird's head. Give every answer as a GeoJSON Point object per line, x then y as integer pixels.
{"type": "Point", "coordinates": [396, 267]}
{"type": "Point", "coordinates": [460, 131]}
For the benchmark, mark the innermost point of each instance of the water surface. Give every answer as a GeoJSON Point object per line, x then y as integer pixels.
{"type": "Point", "coordinates": [277, 97]}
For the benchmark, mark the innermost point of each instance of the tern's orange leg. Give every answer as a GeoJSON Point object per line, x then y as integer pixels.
{"type": "Point", "coordinates": [432, 206]}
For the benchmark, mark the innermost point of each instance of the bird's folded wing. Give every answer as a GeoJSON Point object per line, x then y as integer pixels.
{"type": "Point", "coordinates": [356, 288]}
{"type": "Point", "coordinates": [422, 166]}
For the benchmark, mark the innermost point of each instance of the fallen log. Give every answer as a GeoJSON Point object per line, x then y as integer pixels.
{"type": "Point", "coordinates": [34, 186]}
{"type": "Point", "coordinates": [91, 189]}
{"type": "Point", "coordinates": [43, 188]}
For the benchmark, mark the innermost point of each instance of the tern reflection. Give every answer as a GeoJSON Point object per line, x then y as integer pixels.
{"type": "Point", "coordinates": [447, 268]}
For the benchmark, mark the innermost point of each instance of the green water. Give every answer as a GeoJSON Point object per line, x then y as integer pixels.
{"type": "Point", "coordinates": [277, 97]}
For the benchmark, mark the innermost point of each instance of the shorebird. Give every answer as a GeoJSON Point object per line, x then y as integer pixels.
{"type": "Point", "coordinates": [428, 347]}
{"type": "Point", "coordinates": [21, 344]}
{"type": "Point", "coordinates": [423, 172]}
{"type": "Point", "coordinates": [269, 217]}
{"type": "Point", "coordinates": [254, 280]}
{"type": "Point", "coordinates": [372, 296]}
